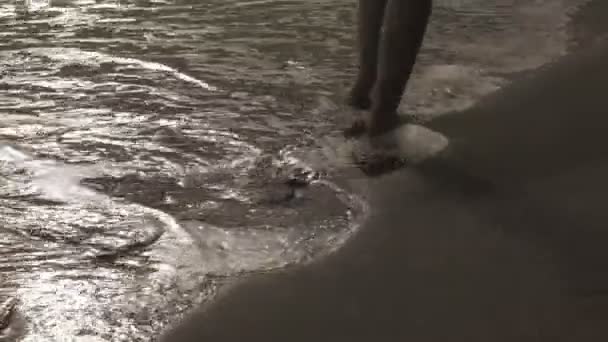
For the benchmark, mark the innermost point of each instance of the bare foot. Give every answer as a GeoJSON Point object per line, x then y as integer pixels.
{"type": "Point", "coordinates": [381, 123]}
{"type": "Point", "coordinates": [361, 125]}
{"type": "Point", "coordinates": [357, 128]}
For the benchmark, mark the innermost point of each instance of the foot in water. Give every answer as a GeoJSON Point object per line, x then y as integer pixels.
{"type": "Point", "coordinates": [407, 143]}
{"type": "Point", "coordinates": [387, 140]}
{"type": "Point", "coordinates": [360, 125]}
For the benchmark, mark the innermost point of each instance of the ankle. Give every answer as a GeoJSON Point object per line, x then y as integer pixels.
{"type": "Point", "coordinates": [382, 123]}
{"type": "Point", "coordinates": [359, 101]}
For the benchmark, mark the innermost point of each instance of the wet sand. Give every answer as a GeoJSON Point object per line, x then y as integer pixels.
{"type": "Point", "coordinates": [501, 239]}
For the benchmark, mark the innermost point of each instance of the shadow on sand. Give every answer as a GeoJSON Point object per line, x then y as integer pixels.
{"type": "Point", "coordinates": [501, 239]}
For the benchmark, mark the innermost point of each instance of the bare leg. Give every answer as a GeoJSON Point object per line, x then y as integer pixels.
{"type": "Point", "coordinates": [370, 18]}
{"type": "Point", "coordinates": [405, 23]}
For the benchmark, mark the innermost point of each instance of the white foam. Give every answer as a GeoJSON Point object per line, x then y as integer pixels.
{"type": "Point", "coordinates": [417, 142]}
{"type": "Point", "coordinates": [9, 154]}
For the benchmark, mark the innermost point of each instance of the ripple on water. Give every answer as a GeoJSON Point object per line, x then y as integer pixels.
{"type": "Point", "coordinates": [71, 251]}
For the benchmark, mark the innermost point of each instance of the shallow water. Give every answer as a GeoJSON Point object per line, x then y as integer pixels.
{"type": "Point", "coordinates": [145, 145]}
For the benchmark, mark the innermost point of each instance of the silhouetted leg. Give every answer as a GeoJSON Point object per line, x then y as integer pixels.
{"type": "Point", "coordinates": [370, 18]}
{"type": "Point", "coordinates": [405, 23]}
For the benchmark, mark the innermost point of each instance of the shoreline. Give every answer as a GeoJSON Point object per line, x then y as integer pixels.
{"type": "Point", "coordinates": [520, 258]}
